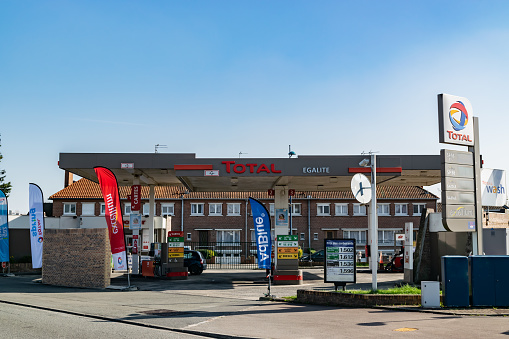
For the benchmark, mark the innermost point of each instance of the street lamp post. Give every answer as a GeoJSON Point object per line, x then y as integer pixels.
{"type": "Point", "coordinates": [374, 225]}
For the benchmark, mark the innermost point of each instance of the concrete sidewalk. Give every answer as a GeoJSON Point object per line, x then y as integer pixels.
{"type": "Point", "coordinates": [226, 304]}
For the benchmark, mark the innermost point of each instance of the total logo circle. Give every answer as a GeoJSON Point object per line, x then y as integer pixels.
{"type": "Point", "coordinates": [119, 260]}
{"type": "Point", "coordinates": [40, 240]}
{"type": "Point", "coordinates": [458, 115]}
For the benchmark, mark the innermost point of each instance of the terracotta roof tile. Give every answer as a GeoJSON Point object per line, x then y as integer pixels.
{"type": "Point", "coordinates": [86, 189]}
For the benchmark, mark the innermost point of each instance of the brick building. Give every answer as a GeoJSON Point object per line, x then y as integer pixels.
{"type": "Point", "coordinates": [210, 217]}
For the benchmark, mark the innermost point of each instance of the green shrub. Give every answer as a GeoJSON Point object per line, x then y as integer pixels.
{"type": "Point", "coordinates": [21, 260]}
{"type": "Point", "coordinates": [207, 254]}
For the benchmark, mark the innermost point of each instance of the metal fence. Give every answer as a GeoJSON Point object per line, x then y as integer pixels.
{"type": "Point", "coordinates": [227, 255]}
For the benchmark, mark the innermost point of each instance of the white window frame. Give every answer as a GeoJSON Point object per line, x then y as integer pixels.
{"type": "Point", "coordinates": [168, 206]}
{"type": "Point", "coordinates": [215, 209]}
{"type": "Point", "coordinates": [196, 207]}
{"type": "Point", "coordinates": [83, 210]}
{"type": "Point", "coordinates": [102, 209]}
{"type": "Point", "coordinates": [233, 209]}
{"type": "Point", "coordinates": [380, 210]}
{"type": "Point", "coordinates": [340, 207]}
{"type": "Point", "coordinates": [236, 237]}
{"type": "Point", "coordinates": [303, 236]}
{"type": "Point", "coordinates": [315, 236]}
{"type": "Point", "coordinates": [296, 213]}
{"type": "Point", "coordinates": [387, 239]}
{"type": "Point", "coordinates": [347, 234]}
{"type": "Point", "coordinates": [320, 209]}
{"type": "Point", "coordinates": [146, 209]}
{"type": "Point", "coordinates": [70, 209]}
{"type": "Point", "coordinates": [127, 208]}
{"type": "Point", "coordinates": [420, 206]}
{"type": "Point", "coordinates": [361, 209]}
{"type": "Point", "coordinates": [400, 207]}
{"type": "Point", "coordinates": [188, 236]}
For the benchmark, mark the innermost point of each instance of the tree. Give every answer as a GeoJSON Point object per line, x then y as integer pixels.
{"type": "Point", "coordinates": [4, 186]}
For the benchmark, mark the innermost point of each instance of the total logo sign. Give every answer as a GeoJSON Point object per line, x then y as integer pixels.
{"type": "Point", "coordinates": [455, 120]}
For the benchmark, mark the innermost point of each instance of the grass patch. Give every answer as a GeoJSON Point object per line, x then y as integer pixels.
{"type": "Point", "coordinates": [291, 298]}
{"type": "Point", "coordinates": [405, 289]}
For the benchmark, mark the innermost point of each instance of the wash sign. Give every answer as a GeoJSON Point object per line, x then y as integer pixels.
{"type": "Point", "coordinates": [493, 187]}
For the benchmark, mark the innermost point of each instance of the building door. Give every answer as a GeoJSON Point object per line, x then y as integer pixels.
{"type": "Point", "coordinates": [203, 238]}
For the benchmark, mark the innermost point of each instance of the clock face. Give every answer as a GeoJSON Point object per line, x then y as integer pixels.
{"type": "Point", "coordinates": [361, 188]}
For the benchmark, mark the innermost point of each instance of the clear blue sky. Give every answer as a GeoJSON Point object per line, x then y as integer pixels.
{"type": "Point", "coordinates": [217, 78]}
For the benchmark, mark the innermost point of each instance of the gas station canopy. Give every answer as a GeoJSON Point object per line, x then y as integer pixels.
{"type": "Point", "coordinates": [303, 173]}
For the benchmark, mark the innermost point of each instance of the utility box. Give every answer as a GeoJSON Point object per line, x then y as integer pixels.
{"type": "Point", "coordinates": [430, 294]}
{"type": "Point", "coordinates": [147, 268]}
{"type": "Point", "coordinates": [455, 287]}
{"type": "Point", "coordinates": [496, 241]}
{"type": "Point", "coordinates": [489, 276]}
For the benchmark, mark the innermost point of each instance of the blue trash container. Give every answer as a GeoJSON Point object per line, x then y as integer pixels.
{"type": "Point", "coordinates": [455, 288]}
{"type": "Point", "coordinates": [489, 277]}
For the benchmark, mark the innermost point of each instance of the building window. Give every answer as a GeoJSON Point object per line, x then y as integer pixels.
{"type": "Point", "coordinates": [167, 209]}
{"type": "Point", "coordinates": [322, 209]}
{"type": "Point", "coordinates": [88, 208]}
{"type": "Point", "coordinates": [358, 235]}
{"type": "Point", "coordinates": [271, 209]}
{"type": "Point", "coordinates": [103, 208]}
{"type": "Point", "coordinates": [418, 209]}
{"type": "Point", "coordinates": [383, 209]}
{"type": "Point", "coordinates": [69, 208]}
{"type": "Point", "coordinates": [302, 236]}
{"type": "Point", "coordinates": [296, 209]}
{"type": "Point", "coordinates": [146, 209]}
{"type": "Point", "coordinates": [215, 209]}
{"type": "Point", "coordinates": [359, 209]}
{"type": "Point", "coordinates": [228, 236]}
{"type": "Point", "coordinates": [233, 209]}
{"type": "Point", "coordinates": [127, 208]}
{"type": "Point", "coordinates": [401, 209]}
{"type": "Point", "coordinates": [197, 209]}
{"type": "Point", "coordinates": [386, 237]}
{"type": "Point", "coordinates": [188, 236]}
{"type": "Point", "coordinates": [341, 209]}
{"type": "Point", "coordinates": [315, 236]}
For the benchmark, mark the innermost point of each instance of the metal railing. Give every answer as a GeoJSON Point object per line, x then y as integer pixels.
{"type": "Point", "coordinates": [226, 255]}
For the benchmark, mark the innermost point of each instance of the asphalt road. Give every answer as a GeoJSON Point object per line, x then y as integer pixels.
{"type": "Point", "coordinates": [216, 304]}
{"type": "Point", "coordinates": [20, 322]}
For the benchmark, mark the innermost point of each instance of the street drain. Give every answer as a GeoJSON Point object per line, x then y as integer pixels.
{"type": "Point", "coordinates": [405, 329]}
{"type": "Point", "coordinates": [165, 313]}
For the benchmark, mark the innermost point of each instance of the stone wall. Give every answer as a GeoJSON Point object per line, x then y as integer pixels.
{"type": "Point", "coordinates": [356, 300]}
{"type": "Point", "coordinates": [76, 258]}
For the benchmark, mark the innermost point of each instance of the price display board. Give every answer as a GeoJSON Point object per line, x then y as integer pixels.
{"type": "Point", "coordinates": [287, 247]}
{"type": "Point", "coordinates": [340, 265]}
{"type": "Point", "coordinates": [175, 244]}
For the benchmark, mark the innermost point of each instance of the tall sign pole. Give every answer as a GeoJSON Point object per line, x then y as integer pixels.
{"type": "Point", "coordinates": [478, 198]}
{"type": "Point", "coordinates": [374, 225]}
{"type": "Point", "coordinates": [461, 171]}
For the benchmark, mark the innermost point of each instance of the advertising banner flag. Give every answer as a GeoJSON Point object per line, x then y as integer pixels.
{"type": "Point", "coordinates": [4, 229]}
{"type": "Point", "coordinates": [113, 213]}
{"type": "Point", "coordinates": [493, 187]}
{"type": "Point", "coordinates": [36, 223]}
{"type": "Point", "coordinates": [261, 218]}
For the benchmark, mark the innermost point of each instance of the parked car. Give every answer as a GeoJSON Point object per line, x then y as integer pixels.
{"type": "Point", "coordinates": [317, 256]}
{"type": "Point", "coordinates": [194, 262]}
